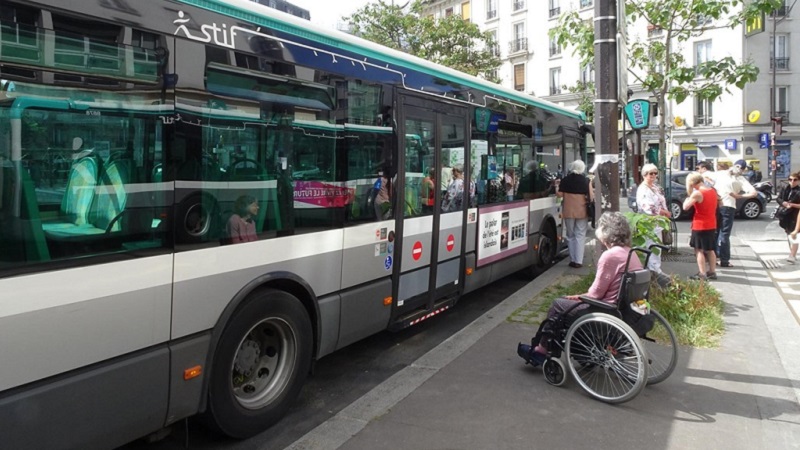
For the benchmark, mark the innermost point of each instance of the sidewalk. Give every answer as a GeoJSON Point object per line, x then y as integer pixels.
{"type": "Point", "coordinates": [474, 392]}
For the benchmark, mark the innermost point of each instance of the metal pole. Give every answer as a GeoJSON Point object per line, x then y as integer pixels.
{"type": "Point", "coordinates": [774, 64]}
{"type": "Point", "coordinates": [606, 107]}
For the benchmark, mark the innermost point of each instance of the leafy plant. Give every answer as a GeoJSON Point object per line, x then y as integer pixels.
{"type": "Point", "coordinates": [643, 228]}
{"type": "Point", "coordinates": [693, 308]}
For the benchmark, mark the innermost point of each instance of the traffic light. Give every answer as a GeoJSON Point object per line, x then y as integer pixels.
{"type": "Point", "coordinates": [777, 125]}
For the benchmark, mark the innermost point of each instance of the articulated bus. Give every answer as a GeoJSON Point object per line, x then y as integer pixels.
{"type": "Point", "coordinates": [200, 198]}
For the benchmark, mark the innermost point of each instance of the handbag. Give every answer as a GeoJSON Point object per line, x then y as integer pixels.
{"type": "Point", "coordinates": [590, 211]}
{"type": "Point", "coordinates": [666, 237]}
{"type": "Point", "coordinates": [780, 212]}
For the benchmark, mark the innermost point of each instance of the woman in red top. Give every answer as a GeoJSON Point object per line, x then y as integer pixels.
{"type": "Point", "coordinates": [704, 224]}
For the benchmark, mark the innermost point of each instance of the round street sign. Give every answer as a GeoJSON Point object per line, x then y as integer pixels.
{"type": "Point", "coordinates": [451, 243]}
{"type": "Point", "coordinates": [416, 251]}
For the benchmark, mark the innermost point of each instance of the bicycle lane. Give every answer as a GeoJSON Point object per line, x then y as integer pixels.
{"type": "Point", "coordinates": [474, 392]}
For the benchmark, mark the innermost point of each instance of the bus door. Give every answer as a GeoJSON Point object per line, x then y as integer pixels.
{"type": "Point", "coordinates": [434, 200]}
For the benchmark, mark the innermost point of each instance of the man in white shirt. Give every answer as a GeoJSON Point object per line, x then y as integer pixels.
{"type": "Point", "coordinates": [729, 183]}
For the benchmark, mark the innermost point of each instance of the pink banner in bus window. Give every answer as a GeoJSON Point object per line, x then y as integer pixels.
{"type": "Point", "coordinates": [322, 195]}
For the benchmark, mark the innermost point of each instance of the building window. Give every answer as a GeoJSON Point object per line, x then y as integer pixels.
{"type": "Point", "coordinates": [587, 73]}
{"type": "Point", "coordinates": [703, 112]}
{"type": "Point", "coordinates": [555, 81]}
{"type": "Point", "coordinates": [448, 12]}
{"type": "Point", "coordinates": [518, 5]}
{"type": "Point", "coordinates": [555, 49]}
{"type": "Point", "coordinates": [555, 10]}
{"type": "Point", "coordinates": [782, 10]}
{"type": "Point", "coordinates": [702, 54]}
{"type": "Point", "coordinates": [519, 77]}
{"type": "Point", "coordinates": [520, 42]}
{"type": "Point", "coordinates": [782, 103]}
{"type": "Point", "coordinates": [779, 52]}
{"type": "Point", "coordinates": [586, 3]}
{"type": "Point", "coordinates": [491, 9]}
{"type": "Point", "coordinates": [466, 11]}
{"type": "Point", "coordinates": [495, 48]}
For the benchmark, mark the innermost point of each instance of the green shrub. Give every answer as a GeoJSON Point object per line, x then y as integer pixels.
{"type": "Point", "coordinates": [693, 308]}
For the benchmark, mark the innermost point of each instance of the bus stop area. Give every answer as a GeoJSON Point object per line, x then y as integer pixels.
{"type": "Point", "coordinates": [474, 392]}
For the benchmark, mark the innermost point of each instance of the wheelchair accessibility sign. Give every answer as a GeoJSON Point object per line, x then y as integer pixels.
{"type": "Point", "coordinates": [387, 263]}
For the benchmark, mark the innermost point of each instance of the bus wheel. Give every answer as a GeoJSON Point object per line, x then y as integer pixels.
{"type": "Point", "coordinates": [548, 246]}
{"type": "Point", "coordinates": [260, 365]}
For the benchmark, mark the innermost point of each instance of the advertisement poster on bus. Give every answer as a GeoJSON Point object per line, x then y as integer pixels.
{"type": "Point", "coordinates": [502, 232]}
{"type": "Point", "coordinates": [318, 194]}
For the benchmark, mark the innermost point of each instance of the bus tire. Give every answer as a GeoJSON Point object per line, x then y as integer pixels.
{"type": "Point", "coordinates": [197, 219]}
{"type": "Point", "coordinates": [260, 364]}
{"type": "Point", "coordinates": [548, 246]}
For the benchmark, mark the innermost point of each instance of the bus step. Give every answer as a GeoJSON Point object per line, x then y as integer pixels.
{"type": "Point", "coordinates": [417, 316]}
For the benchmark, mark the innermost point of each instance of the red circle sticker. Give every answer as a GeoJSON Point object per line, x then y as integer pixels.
{"type": "Point", "coordinates": [451, 243]}
{"type": "Point", "coordinates": [416, 251]}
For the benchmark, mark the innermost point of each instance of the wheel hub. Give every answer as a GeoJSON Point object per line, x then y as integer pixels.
{"type": "Point", "coordinates": [247, 358]}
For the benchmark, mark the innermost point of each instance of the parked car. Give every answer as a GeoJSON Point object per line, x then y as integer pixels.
{"type": "Point", "coordinates": [748, 208]}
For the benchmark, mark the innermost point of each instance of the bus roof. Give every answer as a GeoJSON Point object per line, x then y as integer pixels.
{"type": "Point", "coordinates": [251, 11]}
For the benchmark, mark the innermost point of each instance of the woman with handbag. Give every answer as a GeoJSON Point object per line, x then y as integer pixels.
{"type": "Point", "coordinates": [789, 199]}
{"type": "Point", "coordinates": [650, 200]}
{"type": "Point", "coordinates": [576, 192]}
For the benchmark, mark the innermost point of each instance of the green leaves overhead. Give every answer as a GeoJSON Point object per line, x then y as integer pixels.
{"type": "Point", "coordinates": [450, 41]}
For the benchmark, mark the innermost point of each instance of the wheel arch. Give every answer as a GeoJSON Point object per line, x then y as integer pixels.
{"type": "Point", "coordinates": [283, 281]}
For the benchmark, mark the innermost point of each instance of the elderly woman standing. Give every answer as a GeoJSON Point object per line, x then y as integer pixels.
{"type": "Point", "coordinates": [575, 191]}
{"type": "Point", "coordinates": [650, 200]}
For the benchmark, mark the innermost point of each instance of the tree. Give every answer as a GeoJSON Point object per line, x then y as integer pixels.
{"type": "Point", "coordinates": [659, 65]}
{"type": "Point", "coordinates": [450, 41]}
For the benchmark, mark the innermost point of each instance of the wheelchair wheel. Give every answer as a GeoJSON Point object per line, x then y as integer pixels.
{"type": "Point", "coordinates": [662, 350]}
{"type": "Point", "coordinates": [554, 371]}
{"type": "Point", "coordinates": [606, 358]}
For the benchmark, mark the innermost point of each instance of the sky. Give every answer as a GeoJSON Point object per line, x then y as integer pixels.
{"type": "Point", "coordinates": [327, 12]}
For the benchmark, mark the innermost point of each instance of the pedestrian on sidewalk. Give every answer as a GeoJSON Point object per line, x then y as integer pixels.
{"type": "Point", "coordinates": [704, 224]}
{"type": "Point", "coordinates": [650, 200]}
{"type": "Point", "coordinates": [576, 192]}
{"type": "Point", "coordinates": [789, 198]}
{"type": "Point", "coordinates": [729, 184]}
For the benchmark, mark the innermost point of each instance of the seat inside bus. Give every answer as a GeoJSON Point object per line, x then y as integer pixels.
{"type": "Point", "coordinates": [92, 205]}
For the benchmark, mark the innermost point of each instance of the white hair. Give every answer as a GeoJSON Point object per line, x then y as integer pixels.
{"type": "Point", "coordinates": [577, 166]}
{"type": "Point", "coordinates": [647, 168]}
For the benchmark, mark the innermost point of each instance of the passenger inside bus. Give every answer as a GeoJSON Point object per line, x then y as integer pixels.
{"type": "Point", "coordinates": [241, 226]}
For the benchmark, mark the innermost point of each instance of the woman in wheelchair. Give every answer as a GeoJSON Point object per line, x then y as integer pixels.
{"type": "Point", "coordinates": [614, 233]}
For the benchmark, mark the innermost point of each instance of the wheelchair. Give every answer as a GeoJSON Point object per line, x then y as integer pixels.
{"type": "Point", "coordinates": [612, 350]}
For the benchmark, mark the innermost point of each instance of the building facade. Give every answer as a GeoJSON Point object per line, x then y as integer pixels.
{"type": "Point", "coordinates": [727, 129]}
{"type": "Point", "coordinates": [283, 5]}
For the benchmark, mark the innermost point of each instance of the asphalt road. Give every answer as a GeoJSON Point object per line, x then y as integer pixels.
{"type": "Point", "coordinates": [343, 377]}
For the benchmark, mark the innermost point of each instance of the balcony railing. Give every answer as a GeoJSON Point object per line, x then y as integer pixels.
{"type": "Point", "coordinates": [494, 50]}
{"type": "Point", "coordinates": [491, 14]}
{"type": "Point", "coordinates": [555, 50]}
{"type": "Point", "coordinates": [782, 10]}
{"type": "Point", "coordinates": [784, 115]}
{"type": "Point", "coordinates": [555, 11]}
{"type": "Point", "coordinates": [654, 32]}
{"type": "Point", "coordinates": [702, 120]}
{"type": "Point", "coordinates": [555, 90]}
{"type": "Point", "coordinates": [586, 3]}
{"type": "Point", "coordinates": [519, 4]}
{"type": "Point", "coordinates": [779, 63]}
{"type": "Point", "coordinates": [518, 45]}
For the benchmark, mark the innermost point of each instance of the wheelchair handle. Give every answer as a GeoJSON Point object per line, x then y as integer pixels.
{"type": "Point", "coordinates": [645, 251]}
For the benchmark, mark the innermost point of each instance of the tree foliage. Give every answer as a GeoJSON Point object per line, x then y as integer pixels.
{"type": "Point", "coordinates": [450, 41]}
{"type": "Point", "coordinates": [658, 64]}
